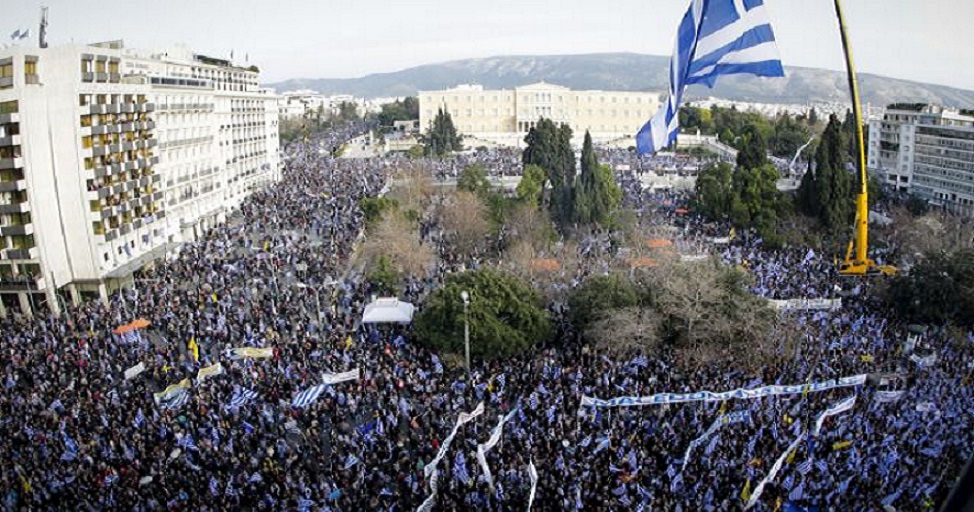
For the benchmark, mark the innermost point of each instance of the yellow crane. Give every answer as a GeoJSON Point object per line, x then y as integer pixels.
{"type": "Point", "coordinates": [857, 261]}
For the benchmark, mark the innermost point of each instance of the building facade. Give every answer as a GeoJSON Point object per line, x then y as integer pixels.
{"type": "Point", "coordinates": [925, 150]}
{"type": "Point", "coordinates": [504, 117]}
{"type": "Point", "coordinates": [109, 158]}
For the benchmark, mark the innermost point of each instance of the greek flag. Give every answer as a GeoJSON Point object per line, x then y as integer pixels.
{"type": "Point", "coordinates": [351, 461]}
{"type": "Point", "coordinates": [188, 442]}
{"type": "Point", "coordinates": [797, 493]}
{"type": "Point", "coordinates": [805, 467]}
{"type": "Point", "coordinates": [214, 487]}
{"type": "Point", "coordinates": [460, 469]}
{"type": "Point", "coordinates": [716, 37]}
{"type": "Point", "coordinates": [308, 396]}
{"type": "Point", "coordinates": [139, 419]}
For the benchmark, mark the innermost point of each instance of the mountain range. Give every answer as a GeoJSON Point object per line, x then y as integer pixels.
{"type": "Point", "coordinates": [630, 72]}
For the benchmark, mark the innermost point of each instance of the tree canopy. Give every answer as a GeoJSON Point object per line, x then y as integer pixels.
{"type": "Point", "coordinates": [474, 179]}
{"type": "Point", "coordinates": [549, 147]}
{"type": "Point", "coordinates": [938, 290]}
{"type": "Point", "coordinates": [506, 316]}
{"type": "Point", "coordinates": [399, 110]}
{"type": "Point", "coordinates": [442, 138]}
{"type": "Point", "coordinates": [827, 191]}
{"type": "Point", "coordinates": [596, 193]}
{"type": "Point", "coordinates": [748, 197]}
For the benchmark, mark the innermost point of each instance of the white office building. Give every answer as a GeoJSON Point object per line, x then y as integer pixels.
{"type": "Point", "coordinates": [926, 150]}
{"type": "Point", "coordinates": [504, 117]}
{"type": "Point", "coordinates": [109, 158]}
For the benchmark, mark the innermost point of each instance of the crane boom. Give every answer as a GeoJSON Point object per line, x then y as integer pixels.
{"type": "Point", "coordinates": [857, 260]}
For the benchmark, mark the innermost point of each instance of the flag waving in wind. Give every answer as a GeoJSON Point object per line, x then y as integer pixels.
{"type": "Point", "coordinates": [716, 37]}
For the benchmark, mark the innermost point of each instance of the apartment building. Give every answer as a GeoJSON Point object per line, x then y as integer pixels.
{"type": "Point", "coordinates": [505, 116]}
{"type": "Point", "coordinates": [926, 150]}
{"type": "Point", "coordinates": [109, 158]}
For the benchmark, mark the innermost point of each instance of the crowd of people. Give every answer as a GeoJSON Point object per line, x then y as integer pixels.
{"type": "Point", "coordinates": [78, 433]}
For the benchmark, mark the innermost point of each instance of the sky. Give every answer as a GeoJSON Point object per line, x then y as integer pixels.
{"type": "Point", "coordinates": [923, 40]}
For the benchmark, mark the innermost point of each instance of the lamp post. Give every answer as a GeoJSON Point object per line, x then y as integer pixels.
{"type": "Point", "coordinates": [317, 300]}
{"type": "Point", "coordinates": [466, 327]}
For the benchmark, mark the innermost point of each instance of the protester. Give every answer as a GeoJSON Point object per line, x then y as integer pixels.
{"type": "Point", "coordinates": [76, 434]}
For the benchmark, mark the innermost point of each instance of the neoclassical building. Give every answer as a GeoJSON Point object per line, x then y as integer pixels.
{"type": "Point", "coordinates": [504, 116]}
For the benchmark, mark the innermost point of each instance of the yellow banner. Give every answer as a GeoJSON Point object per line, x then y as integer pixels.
{"type": "Point", "coordinates": [255, 353]}
{"type": "Point", "coordinates": [166, 393]}
{"type": "Point", "coordinates": [210, 371]}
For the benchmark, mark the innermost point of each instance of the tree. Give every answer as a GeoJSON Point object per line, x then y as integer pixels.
{"type": "Point", "coordinates": [375, 207]}
{"type": "Point", "coordinates": [464, 218]}
{"type": "Point", "coordinates": [938, 290]}
{"type": "Point", "coordinates": [474, 179]}
{"type": "Point", "coordinates": [754, 152]}
{"type": "Point", "coordinates": [399, 110]}
{"type": "Point", "coordinates": [506, 316]}
{"type": "Point", "coordinates": [383, 277]}
{"type": "Point", "coordinates": [715, 191]}
{"type": "Point", "coordinates": [348, 111]}
{"type": "Point", "coordinates": [829, 192]}
{"type": "Point", "coordinates": [397, 239]}
{"type": "Point", "coordinates": [442, 137]}
{"type": "Point", "coordinates": [599, 295]}
{"type": "Point", "coordinates": [549, 147]}
{"type": "Point", "coordinates": [531, 186]}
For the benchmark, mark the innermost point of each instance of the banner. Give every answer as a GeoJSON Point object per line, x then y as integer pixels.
{"type": "Point", "coordinates": [924, 362]}
{"type": "Point", "coordinates": [251, 352]}
{"type": "Point", "coordinates": [462, 419]}
{"type": "Point", "coordinates": [172, 391]}
{"type": "Point", "coordinates": [533, 473]}
{"type": "Point", "coordinates": [427, 505]}
{"type": "Point", "coordinates": [209, 371]}
{"type": "Point", "coordinates": [710, 396]}
{"type": "Point", "coordinates": [774, 471]}
{"type": "Point", "coordinates": [495, 437]}
{"type": "Point", "coordinates": [335, 378]}
{"type": "Point", "coordinates": [838, 408]}
{"type": "Point", "coordinates": [889, 396]}
{"type": "Point", "coordinates": [722, 420]}
{"type": "Point", "coordinates": [134, 371]}
{"type": "Point", "coordinates": [806, 304]}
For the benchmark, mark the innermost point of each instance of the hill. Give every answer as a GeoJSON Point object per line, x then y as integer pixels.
{"type": "Point", "coordinates": [629, 72]}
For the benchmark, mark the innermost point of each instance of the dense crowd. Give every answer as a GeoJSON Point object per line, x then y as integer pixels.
{"type": "Point", "coordinates": [76, 434]}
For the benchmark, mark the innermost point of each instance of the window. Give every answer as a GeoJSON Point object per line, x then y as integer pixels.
{"type": "Point", "coordinates": [8, 107]}
{"type": "Point", "coordinates": [7, 70]}
{"type": "Point", "coordinates": [30, 68]}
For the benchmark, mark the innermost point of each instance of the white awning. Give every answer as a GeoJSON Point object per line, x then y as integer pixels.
{"type": "Point", "coordinates": [387, 310]}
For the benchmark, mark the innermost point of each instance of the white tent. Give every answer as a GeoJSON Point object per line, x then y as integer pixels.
{"type": "Point", "coordinates": [388, 310]}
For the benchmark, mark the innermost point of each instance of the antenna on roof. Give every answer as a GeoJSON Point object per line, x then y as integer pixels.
{"type": "Point", "coordinates": [43, 31]}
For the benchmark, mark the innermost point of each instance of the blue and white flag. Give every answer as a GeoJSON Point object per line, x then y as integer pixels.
{"type": "Point", "coordinates": [308, 396]}
{"type": "Point", "coordinates": [351, 461]}
{"type": "Point", "coordinates": [716, 37]}
{"type": "Point", "coordinates": [241, 396]}
{"type": "Point", "coordinates": [460, 468]}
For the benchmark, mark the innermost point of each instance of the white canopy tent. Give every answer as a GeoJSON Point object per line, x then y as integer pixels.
{"type": "Point", "coordinates": [388, 310]}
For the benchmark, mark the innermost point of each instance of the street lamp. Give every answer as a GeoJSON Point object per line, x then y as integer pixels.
{"type": "Point", "coordinates": [466, 327]}
{"type": "Point", "coordinates": [317, 300]}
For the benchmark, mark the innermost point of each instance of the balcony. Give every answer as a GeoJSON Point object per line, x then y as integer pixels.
{"type": "Point", "coordinates": [102, 171]}
{"type": "Point", "coordinates": [124, 229]}
{"type": "Point", "coordinates": [101, 77]}
{"type": "Point", "coordinates": [106, 213]}
{"type": "Point", "coordinates": [10, 140]}
{"type": "Point", "coordinates": [21, 283]}
{"type": "Point", "coordinates": [13, 186]}
{"type": "Point", "coordinates": [23, 207]}
{"type": "Point", "coordinates": [21, 254]}
{"type": "Point", "coordinates": [128, 127]}
{"type": "Point", "coordinates": [131, 165]}
{"type": "Point", "coordinates": [148, 107]}
{"type": "Point", "coordinates": [157, 196]}
{"type": "Point", "coordinates": [87, 76]}
{"type": "Point", "coordinates": [118, 189]}
{"type": "Point", "coordinates": [99, 150]}
{"type": "Point", "coordinates": [99, 129]}
{"type": "Point", "coordinates": [111, 235]}
{"type": "Point", "coordinates": [128, 108]}
{"type": "Point", "coordinates": [11, 163]}
{"type": "Point", "coordinates": [98, 109]}
{"type": "Point", "coordinates": [17, 230]}
{"type": "Point", "coordinates": [10, 118]}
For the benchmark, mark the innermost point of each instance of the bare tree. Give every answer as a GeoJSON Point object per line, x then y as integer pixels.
{"type": "Point", "coordinates": [627, 330]}
{"type": "Point", "coordinates": [398, 239]}
{"type": "Point", "coordinates": [464, 219]}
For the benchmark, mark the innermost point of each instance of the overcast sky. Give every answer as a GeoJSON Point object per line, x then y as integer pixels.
{"type": "Point", "coordinates": [923, 40]}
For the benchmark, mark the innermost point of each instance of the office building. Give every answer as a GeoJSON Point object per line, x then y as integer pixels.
{"type": "Point", "coordinates": [925, 150]}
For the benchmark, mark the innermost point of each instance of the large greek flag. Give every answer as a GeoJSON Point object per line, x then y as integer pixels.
{"type": "Point", "coordinates": [716, 37]}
